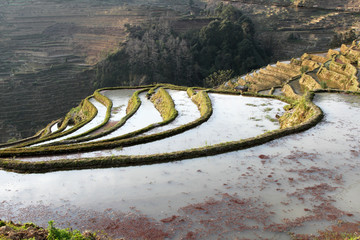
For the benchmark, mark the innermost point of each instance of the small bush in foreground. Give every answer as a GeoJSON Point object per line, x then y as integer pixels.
{"type": "Point", "coordinates": [64, 234]}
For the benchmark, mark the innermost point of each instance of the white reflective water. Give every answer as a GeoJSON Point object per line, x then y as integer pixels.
{"type": "Point", "coordinates": [97, 120]}
{"type": "Point", "coordinates": [119, 98]}
{"type": "Point", "coordinates": [187, 111]}
{"type": "Point", "coordinates": [54, 128]}
{"type": "Point", "coordinates": [234, 118]}
{"type": "Point", "coordinates": [282, 176]}
{"type": "Point", "coordinates": [144, 116]}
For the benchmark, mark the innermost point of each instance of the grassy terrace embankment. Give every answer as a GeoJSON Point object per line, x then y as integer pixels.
{"type": "Point", "coordinates": [74, 120]}
{"type": "Point", "coordinates": [77, 117]}
{"type": "Point", "coordinates": [133, 105]}
{"type": "Point", "coordinates": [108, 104]}
{"type": "Point", "coordinates": [127, 139]}
{"type": "Point", "coordinates": [47, 48]}
{"type": "Point", "coordinates": [301, 114]}
{"type": "Point", "coordinates": [202, 100]}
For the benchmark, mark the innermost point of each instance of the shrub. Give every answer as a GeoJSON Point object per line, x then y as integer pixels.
{"type": "Point", "coordinates": [304, 69]}
{"type": "Point", "coordinates": [323, 85]}
{"type": "Point", "coordinates": [218, 78]}
{"type": "Point", "coordinates": [64, 234]}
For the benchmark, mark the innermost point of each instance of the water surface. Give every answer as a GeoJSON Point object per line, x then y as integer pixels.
{"type": "Point", "coordinates": [299, 183]}
{"type": "Point", "coordinates": [97, 120]}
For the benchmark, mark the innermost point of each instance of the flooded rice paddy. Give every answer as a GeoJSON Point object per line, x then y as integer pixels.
{"type": "Point", "coordinates": [234, 118]}
{"type": "Point", "coordinates": [54, 128]}
{"type": "Point", "coordinates": [97, 120]}
{"type": "Point", "coordinates": [299, 183]}
{"type": "Point", "coordinates": [187, 111]}
{"type": "Point", "coordinates": [144, 116]}
{"type": "Point", "coordinates": [119, 98]}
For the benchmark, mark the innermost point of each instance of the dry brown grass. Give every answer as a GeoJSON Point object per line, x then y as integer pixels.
{"type": "Point", "coordinates": [277, 75]}
{"type": "Point", "coordinates": [279, 71]}
{"type": "Point", "coordinates": [289, 92]}
{"type": "Point", "coordinates": [310, 64]}
{"type": "Point", "coordinates": [309, 83]}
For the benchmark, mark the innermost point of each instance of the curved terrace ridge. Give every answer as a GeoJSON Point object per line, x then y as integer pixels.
{"type": "Point", "coordinates": [294, 82]}
{"type": "Point", "coordinates": [23, 166]}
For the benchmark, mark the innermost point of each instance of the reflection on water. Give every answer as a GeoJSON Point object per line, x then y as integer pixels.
{"type": "Point", "coordinates": [310, 178]}
{"type": "Point", "coordinates": [119, 98]}
{"type": "Point", "coordinates": [97, 120]}
{"type": "Point", "coordinates": [54, 128]}
{"type": "Point", "coordinates": [187, 111]}
{"type": "Point", "coordinates": [278, 92]}
{"type": "Point", "coordinates": [234, 118]}
{"type": "Point", "coordinates": [144, 116]}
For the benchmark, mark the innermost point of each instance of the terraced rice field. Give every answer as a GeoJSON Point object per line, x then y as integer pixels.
{"type": "Point", "coordinates": [170, 162]}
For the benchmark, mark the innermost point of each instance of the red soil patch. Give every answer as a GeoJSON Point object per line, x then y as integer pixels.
{"type": "Point", "coordinates": [226, 215]}
{"type": "Point", "coordinates": [317, 192]}
{"type": "Point", "coordinates": [317, 174]}
{"type": "Point", "coordinates": [339, 61]}
{"type": "Point", "coordinates": [324, 211]}
{"type": "Point", "coordinates": [297, 155]}
{"type": "Point", "coordinates": [355, 153]}
{"type": "Point", "coordinates": [264, 156]}
{"type": "Point", "coordinates": [113, 223]}
{"type": "Point", "coordinates": [221, 218]}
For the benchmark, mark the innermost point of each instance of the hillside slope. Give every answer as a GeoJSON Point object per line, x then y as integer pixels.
{"type": "Point", "coordinates": [47, 44]}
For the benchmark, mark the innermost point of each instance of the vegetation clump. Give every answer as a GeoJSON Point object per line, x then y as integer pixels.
{"type": "Point", "coordinates": [217, 78]}
{"type": "Point", "coordinates": [29, 231]}
{"type": "Point", "coordinates": [67, 234]}
{"type": "Point", "coordinates": [164, 104]}
{"type": "Point", "coordinates": [156, 53]}
{"type": "Point", "coordinates": [133, 102]}
{"type": "Point", "coordinates": [80, 113]}
{"type": "Point", "coordinates": [75, 116]}
{"type": "Point", "coordinates": [202, 100]}
{"type": "Point", "coordinates": [297, 113]}
{"type": "Point", "coordinates": [309, 83]}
